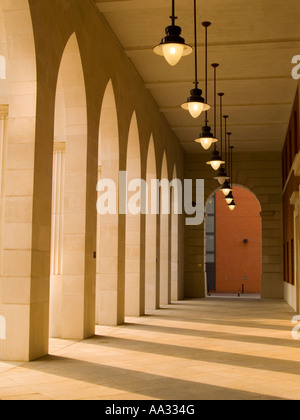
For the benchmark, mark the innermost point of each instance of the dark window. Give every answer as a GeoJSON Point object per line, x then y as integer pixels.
{"type": "Point", "coordinates": [211, 244]}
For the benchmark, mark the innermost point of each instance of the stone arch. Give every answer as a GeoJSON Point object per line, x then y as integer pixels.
{"type": "Point", "coordinates": [108, 293]}
{"type": "Point", "coordinates": [165, 275]}
{"type": "Point", "coordinates": [175, 286]}
{"type": "Point", "coordinates": [151, 252]}
{"type": "Point", "coordinates": [134, 277]}
{"type": "Point", "coordinates": [75, 286]}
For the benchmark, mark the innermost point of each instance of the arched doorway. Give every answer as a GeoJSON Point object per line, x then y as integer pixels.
{"type": "Point", "coordinates": [151, 254]}
{"type": "Point", "coordinates": [108, 309]}
{"type": "Point", "coordinates": [233, 245]}
{"type": "Point", "coordinates": [134, 279]}
{"type": "Point", "coordinates": [175, 286]}
{"type": "Point", "coordinates": [165, 263]}
{"type": "Point", "coordinates": [68, 308]}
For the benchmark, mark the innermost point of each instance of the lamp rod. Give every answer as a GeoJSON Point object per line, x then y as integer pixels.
{"type": "Point", "coordinates": [196, 54]}
{"type": "Point", "coordinates": [215, 66]}
{"type": "Point", "coordinates": [226, 151]}
{"type": "Point", "coordinates": [206, 26]}
{"type": "Point", "coordinates": [221, 121]}
{"type": "Point", "coordinates": [173, 17]}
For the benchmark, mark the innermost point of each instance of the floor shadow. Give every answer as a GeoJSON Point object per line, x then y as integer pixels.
{"type": "Point", "coordinates": [218, 335]}
{"type": "Point", "coordinates": [198, 311]}
{"type": "Point", "coordinates": [144, 384]}
{"type": "Point", "coordinates": [200, 355]}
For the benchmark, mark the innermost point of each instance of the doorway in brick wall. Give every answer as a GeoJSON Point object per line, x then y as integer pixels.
{"type": "Point", "coordinates": [233, 245]}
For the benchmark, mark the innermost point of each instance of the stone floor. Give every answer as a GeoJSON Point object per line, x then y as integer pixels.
{"type": "Point", "coordinates": [212, 349]}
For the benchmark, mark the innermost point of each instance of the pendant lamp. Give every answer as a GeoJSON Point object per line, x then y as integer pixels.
{"type": "Point", "coordinates": [232, 206]}
{"type": "Point", "coordinates": [226, 187]}
{"type": "Point", "coordinates": [173, 46]}
{"type": "Point", "coordinates": [222, 174]}
{"type": "Point", "coordinates": [216, 160]}
{"type": "Point", "coordinates": [230, 199]}
{"type": "Point", "coordinates": [195, 104]}
{"type": "Point", "coordinates": [206, 138]}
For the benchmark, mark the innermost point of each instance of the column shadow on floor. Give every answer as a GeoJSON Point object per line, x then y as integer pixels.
{"type": "Point", "coordinates": [144, 384]}
{"type": "Point", "coordinates": [200, 355]}
{"type": "Point", "coordinates": [217, 335]}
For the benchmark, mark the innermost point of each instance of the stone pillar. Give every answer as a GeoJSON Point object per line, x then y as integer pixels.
{"type": "Point", "coordinates": [56, 268]}
{"type": "Point", "coordinates": [27, 200]}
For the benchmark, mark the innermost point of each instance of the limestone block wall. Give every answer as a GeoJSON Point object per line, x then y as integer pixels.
{"type": "Point", "coordinates": [261, 174]}
{"type": "Point", "coordinates": [40, 36]}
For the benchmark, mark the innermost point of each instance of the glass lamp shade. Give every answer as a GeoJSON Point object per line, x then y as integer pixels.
{"type": "Point", "coordinates": [222, 176]}
{"type": "Point", "coordinates": [215, 161]}
{"type": "Point", "coordinates": [173, 46]}
{"type": "Point", "coordinates": [195, 104]}
{"type": "Point", "coordinates": [232, 206]}
{"type": "Point", "coordinates": [229, 198]}
{"type": "Point", "coordinates": [206, 138]}
{"type": "Point", "coordinates": [173, 53]}
{"type": "Point", "coordinates": [226, 188]}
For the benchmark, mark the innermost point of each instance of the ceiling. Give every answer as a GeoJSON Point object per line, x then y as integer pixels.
{"type": "Point", "coordinates": [253, 41]}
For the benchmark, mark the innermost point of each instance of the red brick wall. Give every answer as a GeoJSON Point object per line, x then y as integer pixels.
{"type": "Point", "coordinates": [234, 258]}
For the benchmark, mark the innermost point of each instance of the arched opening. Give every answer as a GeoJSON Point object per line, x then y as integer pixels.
{"type": "Point", "coordinates": [151, 274]}
{"type": "Point", "coordinates": [175, 291]}
{"type": "Point", "coordinates": [68, 309]}
{"type": "Point", "coordinates": [134, 278]}
{"type": "Point", "coordinates": [165, 275]}
{"type": "Point", "coordinates": [233, 245]}
{"type": "Point", "coordinates": [108, 310]}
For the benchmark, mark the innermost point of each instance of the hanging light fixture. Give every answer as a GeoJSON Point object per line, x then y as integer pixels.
{"type": "Point", "coordinates": [230, 199]}
{"type": "Point", "coordinates": [232, 206]}
{"type": "Point", "coordinates": [206, 137]}
{"type": "Point", "coordinates": [226, 187]}
{"type": "Point", "coordinates": [216, 160]}
{"type": "Point", "coordinates": [222, 174]}
{"type": "Point", "coordinates": [196, 103]}
{"type": "Point", "coordinates": [173, 46]}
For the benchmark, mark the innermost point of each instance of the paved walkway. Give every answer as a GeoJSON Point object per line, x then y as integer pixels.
{"type": "Point", "coordinates": [196, 349]}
